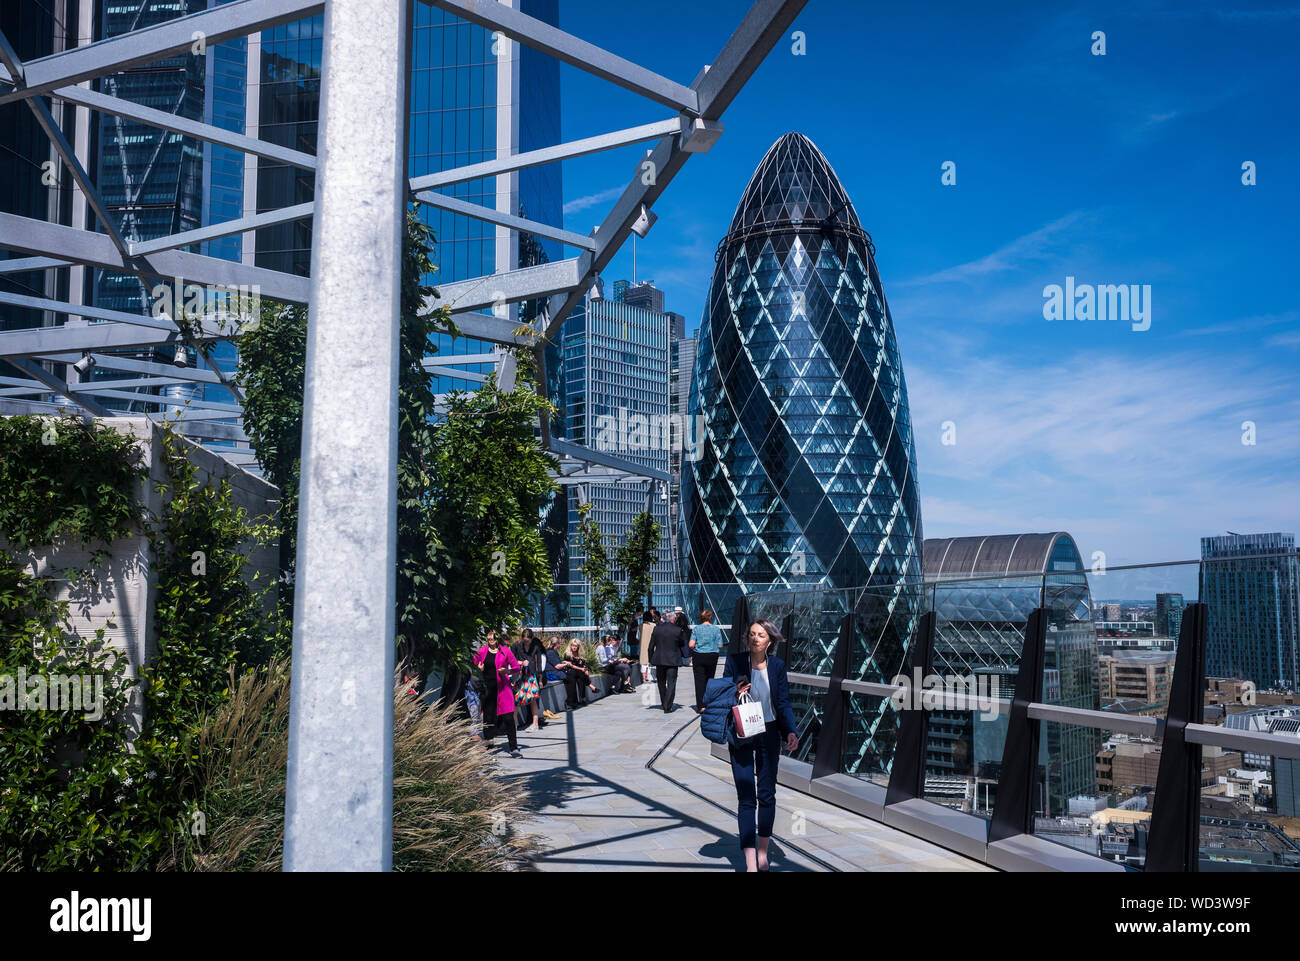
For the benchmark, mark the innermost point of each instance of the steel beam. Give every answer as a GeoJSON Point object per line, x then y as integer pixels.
{"type": "Point", "coordinates": [88, 337]}
{"type": "Point", "coordinates": [338, 805]}
{"type": "Point", "coordinates": [58, 385]}
{"type": "Point", "coordinates": [113, 362]}
{"type": "Point", "coordinates": [564, 448]}
{"type": "Point", "coordinates": [21, 265]}
{"type": "Point", "coordinates": [190, 128]}
{"type": "Point", "coordinates": [68, 155]}
{"type": "Point", "coordinates": [151, 44]}
{"type": "Point", "coordinates": [526, 283]}
{"type": "Point", "coordinates": [479, 212]}
{"type": "Point", "coordinates": [83, 310]}
{"type": "Point", "coordinates": [570, 50]}
{"type": "Point", "coordinates": [762, 27]}
{"type": "Point", "coordinates": [39, 237]}
{"type": "Point", "coordinates": [495, 330]}
{"type": "Point", "coordinates": [213, 231]}
{"type": "Point", "coordinates": [545, 155]}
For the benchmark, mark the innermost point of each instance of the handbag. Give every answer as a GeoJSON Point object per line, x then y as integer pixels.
{"type": "Point", "coordinates": [748, 717]}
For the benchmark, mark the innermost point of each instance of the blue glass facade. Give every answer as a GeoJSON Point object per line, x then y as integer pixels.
{"type": "Point", "coordinates": [616, 370]}
{"type": "Point", "coordinates": [807, 474]}
{"type": "Point", "coordinates": [1251, 585]}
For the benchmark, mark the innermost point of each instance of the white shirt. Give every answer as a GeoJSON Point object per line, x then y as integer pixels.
{"type": "Point", "coordinates": [761, 691]}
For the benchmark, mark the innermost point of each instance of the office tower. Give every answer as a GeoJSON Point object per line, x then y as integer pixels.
{"type": "Point", "coordinates": [1169, 614]}
{"type": "Point", "coordinates": [996, 582]}
{"type": "Point", "coordinates": [808, 470]}
{"type": "Point", "coordinates": [33, 182]}
{"type": "Point", "coordinates": [1251, 585]}
{"type": "Point", "coordinates": [645, 295]}
{"type": "Point", "coordinates": [683, 367]}
{"type": "Point", "coordinates": [473, 97]}
{"type": "Point", "coordinates": [616, 393]}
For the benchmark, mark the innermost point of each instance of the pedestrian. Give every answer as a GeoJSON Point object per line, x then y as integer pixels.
{"type": "Point", "coordinates": [632, 633]}
{"type": "Point", "coordinates": [762, 675]}
{"type": "Point", "coordinates": [620, 668]}
{"type": "Point", "coordinates": [706, 642]}
{"type": "Point", "coordinates": [577, 678]}
{"type": "Point", "coordinates": [679, 616]}
{"type": "Point", "coordinates": [666, 645]}
{"type": "Point", "coordinates": [497, 665]}
{"type": "Point", "coordinates": [528, 687]}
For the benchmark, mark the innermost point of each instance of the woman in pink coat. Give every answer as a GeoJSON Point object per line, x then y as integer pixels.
{"type": "Point", "coordinates": [498, 664]}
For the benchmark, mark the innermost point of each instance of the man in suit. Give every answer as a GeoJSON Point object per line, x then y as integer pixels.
{"type": "Point", "coordinates": [667, 642]}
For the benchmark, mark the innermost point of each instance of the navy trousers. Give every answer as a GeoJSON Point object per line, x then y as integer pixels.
{"type": "Point", "coordinates": [753, 766]}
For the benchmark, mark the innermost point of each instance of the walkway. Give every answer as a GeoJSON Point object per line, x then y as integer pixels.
{"type": "Point", "coordinates": [599, 808]}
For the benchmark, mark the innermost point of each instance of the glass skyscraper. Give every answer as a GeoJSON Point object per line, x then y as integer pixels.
{"type": "Point", "coordinates": [984, 591]}
{"type": "Point", "coordinates": [808, 471]}
{"type": "Point", "coordinates": [617, 400]}
{"type": "Point", "coordinates": [1251, 585]}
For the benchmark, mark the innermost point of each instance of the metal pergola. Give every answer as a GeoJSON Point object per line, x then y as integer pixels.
{"type": "Point", "coordinates": [340, 764]}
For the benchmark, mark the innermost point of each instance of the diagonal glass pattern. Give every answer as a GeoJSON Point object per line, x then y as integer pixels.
{"type": "Point", "coordinates": [807, 474]}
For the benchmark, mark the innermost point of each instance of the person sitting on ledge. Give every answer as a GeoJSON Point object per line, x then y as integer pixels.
{"type": "Point", "coordinates": [619, 667]}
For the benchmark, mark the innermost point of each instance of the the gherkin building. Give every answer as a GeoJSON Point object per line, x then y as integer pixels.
{"type": "Point", "coordinates": [806, 476]}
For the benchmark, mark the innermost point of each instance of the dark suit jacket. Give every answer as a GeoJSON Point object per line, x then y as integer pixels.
{"type": "Point", "coordinates": [738, 666]}
{"type": "Point", "coordinates": [666, 644]}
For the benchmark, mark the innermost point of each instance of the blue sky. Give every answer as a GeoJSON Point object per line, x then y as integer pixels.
{"type": "Point", "coordinates": [1116, 169]}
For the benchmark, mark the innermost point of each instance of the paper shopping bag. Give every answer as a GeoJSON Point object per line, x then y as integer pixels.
{"type": "Point", "coordinates": [748, 715]}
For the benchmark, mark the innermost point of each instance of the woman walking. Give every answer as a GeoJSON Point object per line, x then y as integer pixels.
{"type": "Point", "coordinates": [528, 688]}
{"type": "Point", "coordinates": [761, 675]}
{"type": "Point", "coordinates": [705, 642]}
{"type": "Point", "coordinates": [498, 664]}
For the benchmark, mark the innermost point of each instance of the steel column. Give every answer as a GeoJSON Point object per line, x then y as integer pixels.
{"type": "Point", "coordinates": [338, 810]}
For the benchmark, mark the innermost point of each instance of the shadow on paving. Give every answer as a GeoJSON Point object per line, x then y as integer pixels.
{"type": "Point", "coordinates": [551, 789]}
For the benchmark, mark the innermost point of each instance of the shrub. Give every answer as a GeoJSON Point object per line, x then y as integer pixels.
{"type": "Point", "coordinates": [450, 810]}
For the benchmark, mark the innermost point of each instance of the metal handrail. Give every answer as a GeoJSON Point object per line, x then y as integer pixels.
{"type": "Point", "coordinates": [1256, 742]}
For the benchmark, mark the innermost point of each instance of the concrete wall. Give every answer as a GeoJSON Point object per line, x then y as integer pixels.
{"type": "Point", "coordinates": [120, 597]}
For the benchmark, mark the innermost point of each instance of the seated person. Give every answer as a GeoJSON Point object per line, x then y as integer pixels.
{"type": "Point", "coordinates": [619, 667]}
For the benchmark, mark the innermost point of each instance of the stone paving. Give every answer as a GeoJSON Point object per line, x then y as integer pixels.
{"type": "Point", "coordinates": [599, 808]}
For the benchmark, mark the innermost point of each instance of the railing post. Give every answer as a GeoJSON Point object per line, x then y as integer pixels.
{"type": "Point", "coordinates": [835, 721]}
{"type": "Point", "coordinates": [339, 792]}
{"type": "Point", "coordinates": [739, 625]}
{"type": "Point", "coordinates": [1175, 823]}
{"type": "Point", "coordinates": [1013, 811]}
{"type": "Point", "coordinates": [907, 774]}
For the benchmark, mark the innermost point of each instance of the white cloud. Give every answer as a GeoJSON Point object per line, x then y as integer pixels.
{"type": "Point", "coordinates": [591, 200]}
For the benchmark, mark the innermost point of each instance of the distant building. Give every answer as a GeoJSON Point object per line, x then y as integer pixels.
{"type": "Point", "coordinates": [1143, 675]}
{"type": "Point", "coordinates": [1251, 585]}
{"type": "Point", "coordinates": [996, 582]}
{"type": "Point", "coordinates": [1169, 614]}
{"type": "Point", "coordinates": [616, 395]}
{"type": "Point", "coordinates": [1126, 629]}
{"type": "Point", "coordinates": [1112, 612]}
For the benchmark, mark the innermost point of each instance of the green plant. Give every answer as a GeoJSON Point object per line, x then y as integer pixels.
{"type": "Point", "coordinates": [210, 615]}
{"type": "Point", "coordinates": [451, 810]}
{"type": "Point", "coordinates": [271, 359]}
{"type": "Point", "coordinates": [65, 478]}
{"type": "Point", "coordinates": [601, 592]}
{"type": "Point", "coordinates": [86, 793]}
{"type": "Point", "coordinates": [637, 557]}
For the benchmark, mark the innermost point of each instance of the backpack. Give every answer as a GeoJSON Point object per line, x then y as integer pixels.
{"type": "Point", "coordinates": [716, 723]}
